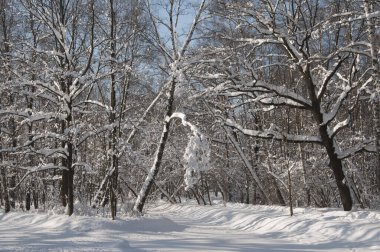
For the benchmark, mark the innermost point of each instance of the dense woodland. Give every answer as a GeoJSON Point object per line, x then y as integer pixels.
{"type": "Point", "coordinates": [114, 103]}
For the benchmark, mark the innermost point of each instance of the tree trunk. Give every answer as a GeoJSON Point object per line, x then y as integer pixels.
{"type": "Point", "coordinates": [5, 44]}
{"type": "Point", "coordinates": [70, 180]}
{"type": "Point", "coordinates": [27, 201]}
{"type": "Point", "coordinates": [144, 192]}
{"type": "Point", "coordinates": [250, 168]}
{"type": "Point", "coordinates": [112, 117]}
{"type": "Point", "coordinates": [328, 142]}
{"type": "Point", "coordinates": [65, 173]}
{"type": "Point", "coordinates": [12, 193]}
{"type": "Point", "coordinates": [35, 199]}
{"type": "Point", "coordinates": [7, 206]}
{"type": "Point", "coordinates": [337, 167]}
{"type": "Point", "coordinates": [195, 196]}
{"type": "Point", "coordinates": [114, 188]}
{"type": "Point", "coordinates": [64, 190]}
{"type": "Point", "coordinates": [377, 132]}
{"type": "Point", "coordinates": [1, 193]}
{"type": "Point", "coordinates": [290, 192]}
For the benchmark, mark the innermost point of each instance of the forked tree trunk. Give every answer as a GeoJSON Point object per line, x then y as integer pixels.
{"type": "Point", "coordinates": [328, 142]}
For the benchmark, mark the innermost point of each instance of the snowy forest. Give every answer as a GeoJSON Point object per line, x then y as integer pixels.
{"type": "Point", "coordinates": [111, 104]}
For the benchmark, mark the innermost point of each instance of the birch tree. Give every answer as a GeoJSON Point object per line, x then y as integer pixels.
{"type": "Point", "coordinates": [175, 55]}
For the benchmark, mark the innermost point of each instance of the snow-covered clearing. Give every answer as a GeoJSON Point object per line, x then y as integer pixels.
{"type": "Point", "coordinates": [189, 227]}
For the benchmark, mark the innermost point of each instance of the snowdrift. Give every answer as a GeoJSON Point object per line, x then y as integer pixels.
{"type": "Point", "coordinates": [189, 227]}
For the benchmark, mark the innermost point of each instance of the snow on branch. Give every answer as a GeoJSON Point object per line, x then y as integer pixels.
{"type": "Point", "coordinates": [45, 135]}
{"type": "Point", "coordinates": [339, 126]}
{"type": "Point", "coordinates": [273, 133]}
{"type": "Point", "coordinates": [197, 153]}
{"type": "Point", "coordinates": [192, 28]}
{"type": "Point", "coordinates": [34, 169]}
{"type": "Point", "coordinates": [51, 152]}
{"type": "Point", "coordinates": [96, 131]}
{"type": "Point", "coordinates": [365, 146]}
{"type": "Point", "coordinates": [285, 93]}
{"type": "Point", "coordinates": [39, 116]}
{"type": "Point", "coordinates": [14, 113]}
{"type": "Point", "coordinates": [328, 117]}
{"type": "Point", "coordinates": [327, 79]}
{"type": "Point", "coordinates": [344, 17]}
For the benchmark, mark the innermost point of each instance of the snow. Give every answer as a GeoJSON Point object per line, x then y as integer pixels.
{"type": "Point", "coordinates": [189, 227]}
{"type": "Point", "coordinates": [328, 117]}
{"type": "Point", "coordinates": [274, 133]}
{"type": "Point", "coordinates": [197, 153]}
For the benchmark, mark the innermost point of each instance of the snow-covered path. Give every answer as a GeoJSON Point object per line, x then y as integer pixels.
{"type": "Point", "coordinates": [166, 227]}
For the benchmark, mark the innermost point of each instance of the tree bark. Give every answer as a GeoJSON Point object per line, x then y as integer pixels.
{"type": "Point", "coordinates": [27, 201]}
{"type": "Point", "coordinates": [70, 180]}
{"type": "Point", "coordinates": [290, 192]}
{"type": "Point", "coordinates": [7, 206]}
{"type": "Point", "coordinates": [112, 117]}
{"type": "Point", "coordinates": [5, 44]}
{"type": "Point", "coordinates": [65, 174]}
{"type": "Point", "coordinates": [144, 192]}
{"type": "Point", "coordinates": [35, 199]}
{"type": "Point", "coordinates": [328, 142]}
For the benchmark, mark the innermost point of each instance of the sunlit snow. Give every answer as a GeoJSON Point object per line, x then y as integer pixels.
{"type": "Point", "coordinates": [189, 227]}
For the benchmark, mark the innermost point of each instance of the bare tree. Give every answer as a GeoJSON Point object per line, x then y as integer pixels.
{"type": "Point", "coordinates": [289, 36]}
{"type": "Point", "coordinates": [6, 99]}
{"type": "Point", "coordinates": [369, 8]}
{"type": "Point", "coordinates": [64, 83]}
{"type": "Point", "coordinates": [175, 60]}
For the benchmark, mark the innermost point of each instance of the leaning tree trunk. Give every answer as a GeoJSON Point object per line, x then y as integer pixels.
{"type": "Point", "coordinates": [328, 142]}
{"type": "Point", "coordinates": [177, 56]}
{"type": "Point", "coordinates": [335, 163]}
{"type": "Point", "coordinates": [141, 198]}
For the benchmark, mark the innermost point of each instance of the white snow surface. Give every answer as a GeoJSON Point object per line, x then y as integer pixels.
{"type": "Point", "coordinates": [189, 227]}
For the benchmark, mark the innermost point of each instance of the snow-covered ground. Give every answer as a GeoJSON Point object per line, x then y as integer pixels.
{"type": "Point", "coordinates": [189, 227]}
